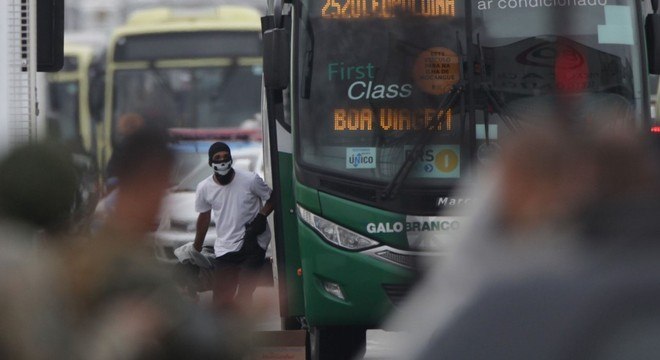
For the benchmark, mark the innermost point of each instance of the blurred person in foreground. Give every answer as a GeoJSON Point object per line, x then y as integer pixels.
{"type": "Point", "coordinates": [127, 125]}
{"type": "Point", "coordinates": [240, 201]}
{"type": "Point", "coordinates": [590, 300]}
{"type": "Point", "coordinates": [38, 184]}
{"type": "Point", "coordinates": [125, 302]}
{"type": "Point", "coordinates": [522, 222]}
{"type": "Point", "coordinates": [37, 192]}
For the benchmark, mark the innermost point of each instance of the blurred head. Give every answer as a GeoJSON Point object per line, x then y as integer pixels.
{"type": "Point", "coordinates": [129, 123]}
{"type": "Point", "coordinates": [38, 185]}
{"type": "Point", "coordinates": [145, 153]}
{"type": "Point", "coordinates": [546, 175]}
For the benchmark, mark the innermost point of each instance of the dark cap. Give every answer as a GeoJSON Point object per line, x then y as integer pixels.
{"type": "Point", "coordinates": [218, 147]}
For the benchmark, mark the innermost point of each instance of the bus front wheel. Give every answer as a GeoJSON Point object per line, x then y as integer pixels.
{"type": "Point", "coordinates": [337, 342]}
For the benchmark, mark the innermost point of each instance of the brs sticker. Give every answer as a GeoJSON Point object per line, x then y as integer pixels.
{"type": "Point", "coordinates": [360, 158]}
{"type": "Point", "coordinates": [436, 161]}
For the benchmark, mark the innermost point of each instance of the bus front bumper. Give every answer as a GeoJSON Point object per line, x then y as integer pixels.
{"type": "Point", "coordinates": [344, 287]}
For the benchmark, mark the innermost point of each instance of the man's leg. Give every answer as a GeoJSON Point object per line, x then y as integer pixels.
{"type": "Point", "coordinates": [225, 281]}
{"type": "Point", "coordinates": [250, 271]}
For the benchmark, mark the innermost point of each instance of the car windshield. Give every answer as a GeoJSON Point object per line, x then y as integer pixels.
{"type": "Point", "coordinates": [185, 164]}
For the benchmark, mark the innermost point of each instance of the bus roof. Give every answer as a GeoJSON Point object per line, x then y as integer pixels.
{"type": "Point", "coordinates": [165, 19]}
{"type": "Point", "coordinates": [80, 52]}
{"type": "Point", "coordinates": [84, 44]}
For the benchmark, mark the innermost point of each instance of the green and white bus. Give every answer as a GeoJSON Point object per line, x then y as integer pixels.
{"type": "Point", "coordinates": [381, 107]}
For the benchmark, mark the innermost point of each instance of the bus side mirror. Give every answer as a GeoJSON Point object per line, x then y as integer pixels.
{"type": "Point", "coordinates": [652, 27]}
{"type": "Point", "coordinates": [276, 59]}
{"type": "Point", "coordinates": [276, 49]}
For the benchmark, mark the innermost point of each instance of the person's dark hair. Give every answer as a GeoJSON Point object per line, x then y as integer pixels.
{"type": "Point", "coordinates": [38, 184]}
{"type": "Point", "coordinates": [144, 150]}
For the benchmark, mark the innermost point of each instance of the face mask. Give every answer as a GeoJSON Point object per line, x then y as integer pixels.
{"type": "Point", "coordinates": [222, 168]}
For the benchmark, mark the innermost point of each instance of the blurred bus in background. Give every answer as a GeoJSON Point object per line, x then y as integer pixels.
{"type": "Point", "coordinates": [185, 68]}
{"type": "Point", "coordinates": [71, 111]}
{"type": "Point", "coordinates": [71, 106]}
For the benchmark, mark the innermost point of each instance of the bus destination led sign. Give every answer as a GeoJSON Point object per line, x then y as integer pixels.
{"type": "Point", "coordinates": [355, 9]}
{"type": "Point", "coordinates": [392, 119]}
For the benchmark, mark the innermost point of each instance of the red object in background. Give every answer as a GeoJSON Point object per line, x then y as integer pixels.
{"type": "Point", "coordinates": [220, 134]}
{"type": "Point", "coordinates": [571, 69]}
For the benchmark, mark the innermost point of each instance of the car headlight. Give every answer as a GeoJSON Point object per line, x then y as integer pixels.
{"type": "Point", "coordinates": [334, 233]}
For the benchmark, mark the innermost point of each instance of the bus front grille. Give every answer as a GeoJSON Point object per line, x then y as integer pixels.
{"type": "Point", "coordinates": [397, 292]}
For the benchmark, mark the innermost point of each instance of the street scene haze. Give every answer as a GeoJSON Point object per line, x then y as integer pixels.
{"type": "Point", "coordinates": [329, 179]}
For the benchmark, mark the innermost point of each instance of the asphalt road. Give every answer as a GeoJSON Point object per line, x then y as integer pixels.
{"type": "Point", "coordinates": [380, 344]}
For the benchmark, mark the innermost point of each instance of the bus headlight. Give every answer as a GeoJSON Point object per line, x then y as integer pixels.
{"type": "Point", "coordinates": [334, 233]}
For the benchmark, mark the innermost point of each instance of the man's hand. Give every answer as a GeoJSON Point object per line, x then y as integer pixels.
{"type": "Point", "coordinates": [255, 227]}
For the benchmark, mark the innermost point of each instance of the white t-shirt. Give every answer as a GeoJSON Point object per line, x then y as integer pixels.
{"type": "Point", "coordinates": [233, 205]}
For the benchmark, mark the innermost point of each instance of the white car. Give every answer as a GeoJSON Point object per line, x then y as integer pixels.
{"type": "Point", "coordinates": [178, 217]}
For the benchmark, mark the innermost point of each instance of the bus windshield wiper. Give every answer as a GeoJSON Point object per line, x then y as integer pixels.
{"type": "Point", "coordinates": [163, 83]}
{"type": "Point", "coordinates": [226, 77]}
{"type": "Point", "coordinates": [308, 61]}
{"type": "Point", "coordinates": [395, 184]}
{"type": "Point", "coordinates": [508, 119]}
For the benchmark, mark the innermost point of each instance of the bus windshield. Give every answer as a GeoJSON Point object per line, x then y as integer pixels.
{"type": "Point", "coordinates": [379, 85]}
{"type": "Point", "coordinates": [205, 97]}
{"type": "Point", "coordinates": [559, 46]}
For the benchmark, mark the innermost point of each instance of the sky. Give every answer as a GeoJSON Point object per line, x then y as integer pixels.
{"type": "Point", "coordinates": [104, 15]}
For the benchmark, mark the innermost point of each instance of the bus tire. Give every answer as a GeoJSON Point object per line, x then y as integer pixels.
{"type": "Point", "coordinates": [337, 342]}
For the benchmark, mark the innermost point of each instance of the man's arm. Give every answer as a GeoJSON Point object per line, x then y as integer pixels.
{"type": "Point", "coordinates": [267, 208]}
{"type": "Point", "coordinates": [203, 221]}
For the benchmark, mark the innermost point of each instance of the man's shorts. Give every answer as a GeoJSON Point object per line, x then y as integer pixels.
{"type": "Point", "coordinates": [246, 258]}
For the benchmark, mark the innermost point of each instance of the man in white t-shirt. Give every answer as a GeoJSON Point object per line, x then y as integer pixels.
{"type": "Point", "coordinates": [240, 203]}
